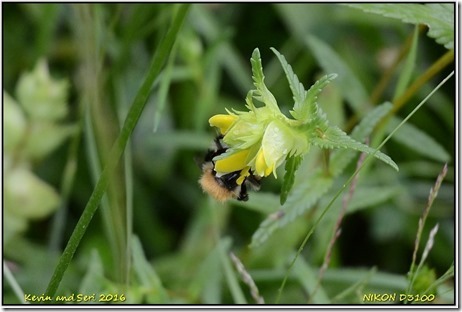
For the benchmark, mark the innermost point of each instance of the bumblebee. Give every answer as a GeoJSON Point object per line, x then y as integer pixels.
{"type": "Point", "coordinates": [223, 187]}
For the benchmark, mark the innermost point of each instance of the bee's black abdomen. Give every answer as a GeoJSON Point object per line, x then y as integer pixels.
{"type": "Point", "coordinates": [230, 180]}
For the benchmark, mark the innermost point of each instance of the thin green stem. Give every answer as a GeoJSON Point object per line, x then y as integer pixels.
{"type": "Point", "coordinates": [134, 114]}
{"type": "Point", "coordinates": [368, 158]}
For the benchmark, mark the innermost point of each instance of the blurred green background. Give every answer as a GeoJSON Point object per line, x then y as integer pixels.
{"type": "Point", "coordinates": [97, 57]}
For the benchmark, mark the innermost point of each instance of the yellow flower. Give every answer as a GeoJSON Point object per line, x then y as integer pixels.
{"type": "Point", "coordinates": [259, 140]}
{"type": "Point", "coordinates": [222, 122]}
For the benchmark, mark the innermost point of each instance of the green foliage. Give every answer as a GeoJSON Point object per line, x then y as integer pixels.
{"type": "Point", "coordinates": [439, 17]}
{"type": "Point", "coordinates": [333, 137]}
{"type": "Point", "coordinates": [309, 188]}
{"type": "Point", "coordinates": [158, 239]}
{"type": "Point", "coordinates": [409, 66]}
{"type": "Point", "coordinates": [147, 277]}
{"type": "Point", "coordinates": [291, 167]}
{"type": "Point", "coordinates": [261, 93]}
{"type": "Point", "coordinates": [417, 140]}
{"type": "Point", "coordinates": [351, 87]}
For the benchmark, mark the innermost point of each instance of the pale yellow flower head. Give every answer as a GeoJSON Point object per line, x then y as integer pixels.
{"type": "Point", "coordinates": [259, 139]}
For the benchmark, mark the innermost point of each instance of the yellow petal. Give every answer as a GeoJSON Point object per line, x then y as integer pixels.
{"type": "Point", "coordinates": [244, 174]}
{"type": "Point", "coordinates": [260, 163]}
{"type": "Point", "coordinates": [233, 162]}
{"type": "Point", "coordinates": [222, 122]}
{"type": "Point", "coordinates": [269, 170]}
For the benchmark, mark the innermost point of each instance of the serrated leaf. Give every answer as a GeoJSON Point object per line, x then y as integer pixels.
{"type": "Point", "coordinates": [418, 141]}
{"type": "Point", "coordinates": [262, 93]}
{"type": "Point", "coordinates": [362, 197]}
{"type": "Point", "coordinates": [368, 123]}
{"type": "Point", "coordinates": [310, 107]}
{"type": "Point", "coordinates": [439, 17]}
{"type": "Point", "coordinates": [307, 109]}
{"type": "Point", "coordinates": [303, 197]}
{"type": "Point", "coordinates": [342, 157]}
{"type": "Point", "coordinates": [291, 167]}
{"type": "Point", "coordinates": [333, 137]}
{"type": "Point", "coordinates": [262, 202]}
{"type": "Point", "coordinates": [350, 86]}
{"type": "Point", "coordinates": [298, 90]}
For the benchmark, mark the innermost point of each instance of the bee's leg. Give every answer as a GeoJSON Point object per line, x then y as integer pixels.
{"type": "Point", "coordinates": [243, 196]}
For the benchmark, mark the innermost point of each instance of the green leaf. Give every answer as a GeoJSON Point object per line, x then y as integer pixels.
{"type": "Point", "coordinates": [209, 26]}
{"type": "Point", "coordinates": [443, 278]}
{"type": "Point", "coordinates": [163, 89]}
{"type": "Point", "coordinates": [208, 279]}
{"type": "Point", "coordinates": [291, 167]}
{"type": "Point", "coordinates": [368, 123]}
{"type": "Point", "coordinates": [406, 73]}
{"type": "Point", "coordinates": [362, 198]}
{"type": "Point", "coordinates": [342, 157]}
{"type": "Point", "coordinates": [333, 137]}
{"type": "Point", "coordinates": [298, 90]}
{"type": "Point", "coordinates": [232, 281]}
{"type": "Point", "coordinates": [439, 17]}
{"type": "Point", "coordinates": [93, 280]}
{"type": "Point", "coordinates": [379, 281]}
{"type": "Point", "coordinates": [262, 202]}
{"type": "Point", "coordinates": [310, 107]}
{"type": "Point", "coordinates": [146, 274]}
{"type": "Point", "coordinates": [350, 86]}
{"type": "Point", "coordinates": [418, 141]}
{"type": "Point", "coordinates": [306, 276]}
{"type": "Point", "coordinates": [304, 101]}
{"type": "Point", "coordinates": [262, 93]}
{"type": "Point", "coordinates": [303, 197]}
